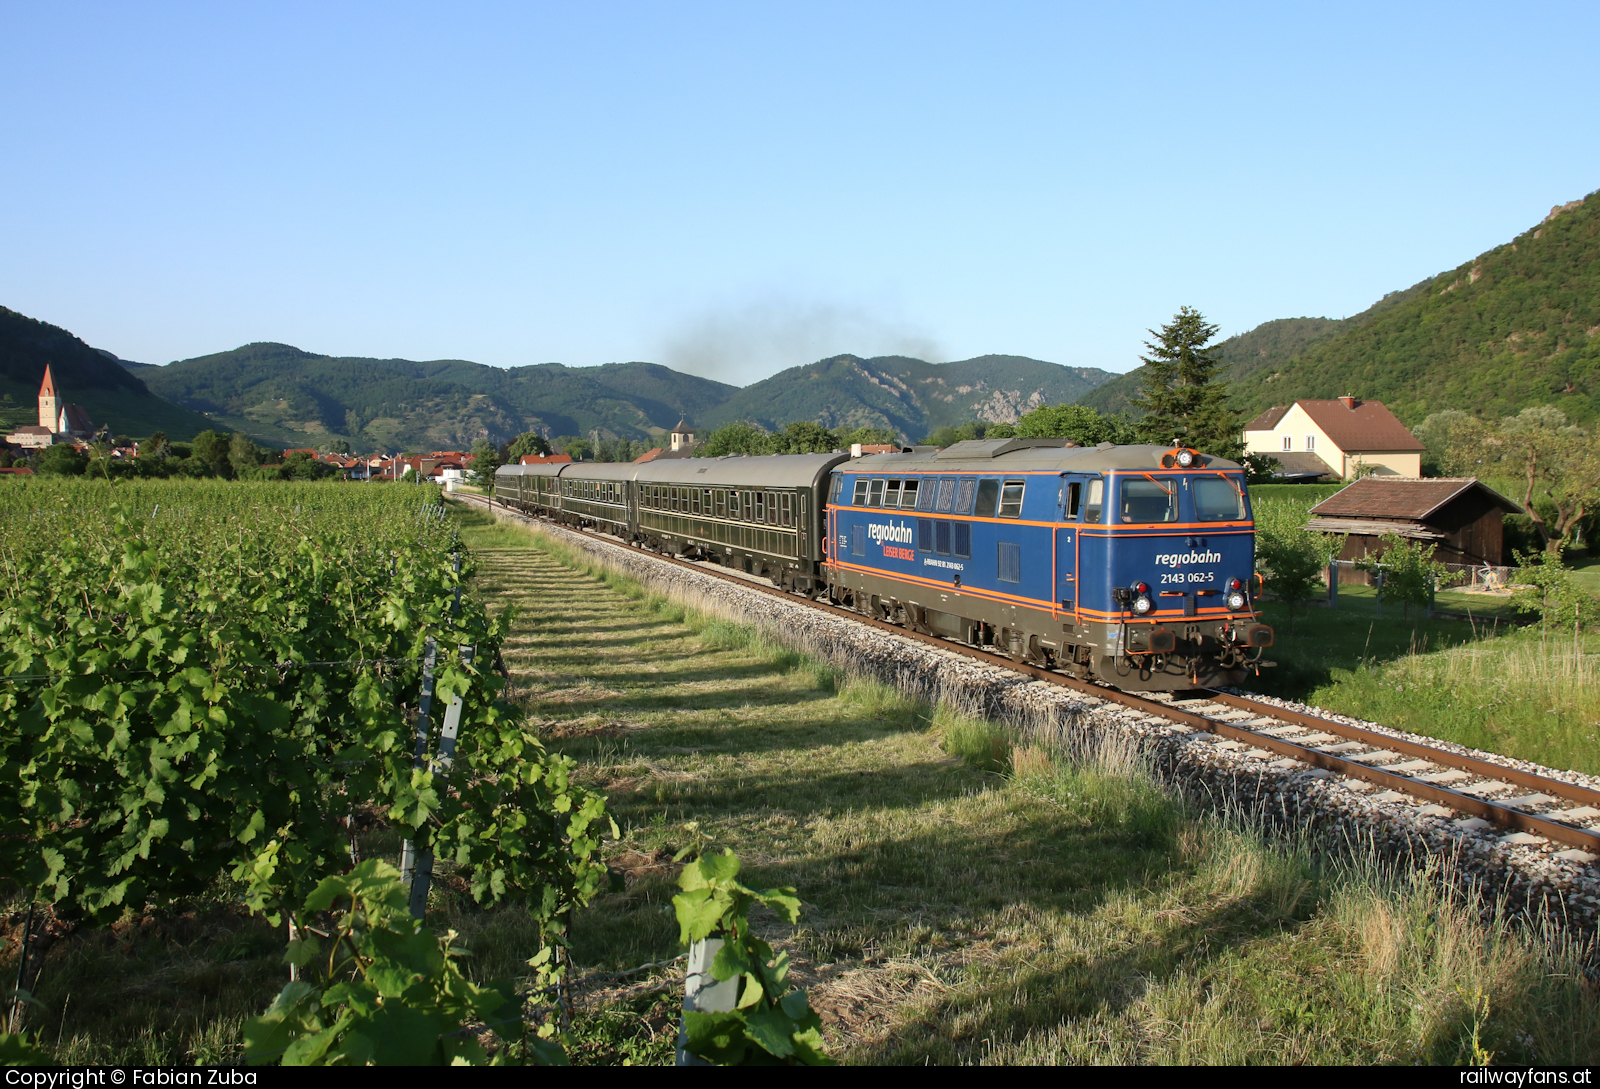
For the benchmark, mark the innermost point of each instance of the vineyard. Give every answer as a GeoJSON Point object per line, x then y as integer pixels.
{"type": "Point", "coordinates": [205, 684]}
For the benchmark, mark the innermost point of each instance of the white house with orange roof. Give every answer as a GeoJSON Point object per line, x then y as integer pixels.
{"type": "Point", "coordinates": [1343, 437]}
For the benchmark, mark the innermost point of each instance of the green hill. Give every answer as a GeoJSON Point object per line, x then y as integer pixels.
{"type": "Point", "coordinates": [286, 395]}
{"type": "Point", "coordinates": [91, 377]}
{"type": "Point", "coordinates": [909, 395]}
{"type": "Point", "coordinates": [1514, 327]}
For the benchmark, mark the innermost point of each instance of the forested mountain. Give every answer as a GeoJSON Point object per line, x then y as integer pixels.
{"type": "Point", "coordinates": [909, 395]}
{"type": "Point", "coordinates": [281, 393]}
{"type": "Point", "coordinates": [1514, 327]}
{"type": "Point", "coordinates": [115, 397]}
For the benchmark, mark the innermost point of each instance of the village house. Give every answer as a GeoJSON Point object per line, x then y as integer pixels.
{"type": "Point", "coordinates": [1343, 438]}
{"type": "Point", "coordinates": [1462, 517]}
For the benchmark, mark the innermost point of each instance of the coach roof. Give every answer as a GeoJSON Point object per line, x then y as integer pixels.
{"type": "Point", "coordinates": [1008, 455]}
{"type": "Point", "coordinates": [771, 471]}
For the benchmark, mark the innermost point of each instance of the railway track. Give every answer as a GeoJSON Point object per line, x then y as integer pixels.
{"type": "Point", "coordinates": [1531, 807]}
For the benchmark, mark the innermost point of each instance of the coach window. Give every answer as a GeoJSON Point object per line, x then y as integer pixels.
{"type": "Point", "coordinates": [930, 492]}
{"type": "Point", "coordinates": [1148, 499]}
{"type": "Point", "coordinates": [694, 500]}
{"type": "Point", "coordinates": [875, 494]}
{"type": "Point", "coordinates": [963, 540]}
{"type": "Point", "coordinates": [733, 504]}
{"type": "Point", "coordinates": [1217, 499]}
{"type": "Point", "coordinates": [908, 496]}
{"type": "Point", "coordinates": [772, 508]}
{"type": "Point", "coordinates": [1011, 499]}
{"type": "Point", "coordinates": [891, 494]}
{"type": "Point", "coordinates": [761, 507]}
{"type": "Point", "coordinates": [947, 494]}
{"type": "Point", "coordinates": [988, 498]}
{"type": "Point", "coordinates": [861, 492]}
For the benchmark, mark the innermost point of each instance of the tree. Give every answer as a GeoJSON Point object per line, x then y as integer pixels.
{"type": "Point", "coordinates": [1080, 423]}
{"type": "Point", "coordinates": [1181, 400]}
{"type": "Point", "coordinates": [61, 459]}
{"type": "Point", "coordinates": [575, 446]}
{"type": "Point", "coordinates": [303, 466]}
{"type": "Point", "coordinates": [529, 442]}
{"type": "Point", "coordinates": [243, 454]}
{"type": "Point", "coordinates": [1409, 572]}
{"type": "Point", "coordinates": [866, 436]}
{"type": "Point", "coordinates": [212, 450]}
{"type": "Point", "coordinates": [156, 446]}
{"type": "Point", "coordinates": [736, 438]}
{"type": "Point", "coordinates": [1556, 463]}
{"type": "Point", "coordinates": [804, 437]}
{"type": "Point", "coordinates": [1544, 585]}
{"type": "Point", "coordinates": [1291, 557]}
{"type": "Point", "coordinates": [485, 460]}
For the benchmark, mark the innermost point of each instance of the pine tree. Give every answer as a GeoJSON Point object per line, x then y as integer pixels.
{"type": "Point", "coordinates": [1181, 401]}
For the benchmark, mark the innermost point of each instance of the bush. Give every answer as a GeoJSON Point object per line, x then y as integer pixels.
{"type": "Point", "coordinates": [1544, 585]}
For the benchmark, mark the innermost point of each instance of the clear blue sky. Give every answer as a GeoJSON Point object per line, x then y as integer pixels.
{"type": "Point", "coordinates": [732, 189]}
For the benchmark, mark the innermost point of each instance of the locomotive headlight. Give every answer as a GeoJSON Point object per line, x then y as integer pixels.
{"type": "Point", "coordinates": [1235, 600]}
{"type": "Point", "coordinates": [1141, 604]}
{"type": "Point", "coordinates": [1185, 458]}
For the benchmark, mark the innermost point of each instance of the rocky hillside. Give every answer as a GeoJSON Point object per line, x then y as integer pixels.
{"type": "Point", "coordinates": [909, 395]}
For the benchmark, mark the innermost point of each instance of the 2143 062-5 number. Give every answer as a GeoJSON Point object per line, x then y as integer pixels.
{"type": "Point", "coordinates": [1187, 577]}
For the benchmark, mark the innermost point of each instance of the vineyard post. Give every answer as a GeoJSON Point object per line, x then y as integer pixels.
{"type": "Point", "coordinates": [408, 851]}
{"type": "Point", "coordinates": [422, 876]}
{"type": "Point", "coordinates": [703, 993]}
{"type": "Point", "coordinates": [22, 968]}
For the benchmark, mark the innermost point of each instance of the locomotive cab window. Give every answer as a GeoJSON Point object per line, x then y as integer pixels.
{"type": "Point", "coordinates": [1094, 502]}
{"type": "Point", "coordinates": [988, 498]}
{"type": "Point", "coordinates": [861, 492]}
{"type": "Point", "coordinates": [1149, 499]}
{"type": "Point", "coordinates": [1011, 499]}
{"type": "Point", "coordinates": [1073, 501]}
{"type": "Point", "coordinates": [1217, 499]}
{"type": "Point", "coordinates": [908, 495]}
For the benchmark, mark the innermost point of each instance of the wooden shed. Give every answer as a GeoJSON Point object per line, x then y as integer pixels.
{"type": "Point", "coordinates": [1463, 517]}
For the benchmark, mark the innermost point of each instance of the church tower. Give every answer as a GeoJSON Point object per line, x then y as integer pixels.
{"type": "Point", "coordinates": [49, 402]}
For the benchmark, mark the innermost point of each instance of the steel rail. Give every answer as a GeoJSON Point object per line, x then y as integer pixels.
{"type": "Point", "coordinates": [1485, 809]}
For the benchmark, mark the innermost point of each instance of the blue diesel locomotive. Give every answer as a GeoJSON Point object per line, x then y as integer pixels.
{"type": "Point", "coordinates": [1128, 565]}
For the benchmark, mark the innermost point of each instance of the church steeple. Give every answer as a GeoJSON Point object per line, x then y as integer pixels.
{"type": "Point", "coordinates": [49, 402]}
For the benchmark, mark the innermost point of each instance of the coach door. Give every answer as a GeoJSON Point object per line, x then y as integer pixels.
{"type": "Point", "coordinates": [1074, 490]}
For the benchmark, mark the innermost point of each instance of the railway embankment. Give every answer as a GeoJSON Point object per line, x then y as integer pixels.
{"type": "Point", "coordinates": [1515, 872]}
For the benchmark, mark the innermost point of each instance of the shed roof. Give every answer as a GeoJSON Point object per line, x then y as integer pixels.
{"type": "Point", "coordinates": [1301, 464]}
{"type": "Point", "coordinates": [1403, 498]}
